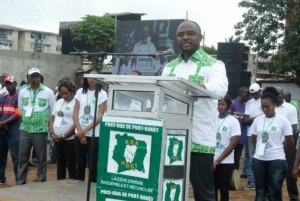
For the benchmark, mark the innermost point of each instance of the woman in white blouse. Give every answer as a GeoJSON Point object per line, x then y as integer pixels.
{"type": "Point", "coordinates": [269, 160]}
{"type": "Point", "coordinates": [62, 131]}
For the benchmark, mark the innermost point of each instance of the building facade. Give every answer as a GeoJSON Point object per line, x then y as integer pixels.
{"type": "Point", "coordinates": [15, 38]}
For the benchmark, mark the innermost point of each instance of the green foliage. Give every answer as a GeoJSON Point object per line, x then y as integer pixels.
{"type": "Point", "coordinates": [98, 33]}
{"type": "Point", "coordinates": [231, 39]}
{"type": "Point", "coordinates": [210, 50]}
{"type": "Point", "coordinates": [263, 24]}
{"type": "Point", "coordinates": [288, 56]}
{"type": "Point", "coordinates": [264, 27]}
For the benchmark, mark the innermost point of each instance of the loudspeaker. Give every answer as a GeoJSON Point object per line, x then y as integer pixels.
{"type": "Point", "coordinates": [231, 47]}
{"type": "Point", "coordinates": [240, 78]}
{"type": "Point", "coordinates": [234, 55]}
{"type": "Point", "coordinates": [233, 90]}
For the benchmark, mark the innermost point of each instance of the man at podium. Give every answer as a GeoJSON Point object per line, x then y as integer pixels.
{"type": "Point", "coordinates": [195, 65]}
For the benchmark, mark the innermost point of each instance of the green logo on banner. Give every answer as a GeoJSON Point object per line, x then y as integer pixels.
{"type": "Point", "coordinates": [129, 153]}
{"type": "Point", "coordinates": [172, 192]}
{"type": "Point", "coordinates": [175, 149]}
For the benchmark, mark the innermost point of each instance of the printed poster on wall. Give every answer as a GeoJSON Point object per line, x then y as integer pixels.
{"type": "Point", "coordinates": [175, 149]}
{"type": "Point", "coordinates": [129, 158]}
{"type": "Point", "coordinates": [173, 190]}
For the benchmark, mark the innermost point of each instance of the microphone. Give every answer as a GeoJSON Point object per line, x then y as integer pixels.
{"type": "Point", "coordinates": [163, 53]}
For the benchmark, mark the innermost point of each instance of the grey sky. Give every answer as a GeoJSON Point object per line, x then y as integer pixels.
{"type": "Point", "coordinates": [216, 17]}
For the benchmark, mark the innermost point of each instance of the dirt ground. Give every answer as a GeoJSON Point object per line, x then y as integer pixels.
{"type": "Point", "coordinates": [236, 195]}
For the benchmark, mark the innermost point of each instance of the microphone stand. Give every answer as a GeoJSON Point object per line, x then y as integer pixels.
{"type": "Point", "coordinates": [91, 154]}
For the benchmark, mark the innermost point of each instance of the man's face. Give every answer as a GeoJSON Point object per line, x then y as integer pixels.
{"type": "Point", "coordinates": [145, 33]}
{"type": "Point", "coordinates": [188, 37]}
{"type": "Point", "coordinates": [11, 87]}
{"type": "Point", "coordinates": [280, 97]}
{"type": "Point", "coordinates": [244, 95]}
{"type": "Point", "coordinates": [256, 95]}
{"type": "Point", "coordinates": [34, 78]}
{"type": "Point", "coordinates": [287, 97]}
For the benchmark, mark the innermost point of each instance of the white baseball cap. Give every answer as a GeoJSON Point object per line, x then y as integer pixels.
{"type": "Point", "coordinates": [33, 70]}
{"type": "Point", "coordinates": [254, 88]}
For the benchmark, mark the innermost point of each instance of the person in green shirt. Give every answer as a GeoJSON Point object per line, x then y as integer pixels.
{"type": "Point", "coordinates": [35, 102]}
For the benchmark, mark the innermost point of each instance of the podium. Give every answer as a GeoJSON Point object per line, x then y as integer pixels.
{"type": "Point", "coordinates": [145, 137]}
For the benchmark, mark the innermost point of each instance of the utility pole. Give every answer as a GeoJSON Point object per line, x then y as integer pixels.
{"type": "Point", "coordinates": [203, 38]}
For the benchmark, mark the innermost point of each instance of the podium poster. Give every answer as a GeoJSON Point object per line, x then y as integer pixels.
{"type": "Point", "coordinates": [173, 190]}
{"type": "Point", "coordinates": [175, 149]}
{"type": "Point", "coordinates": [129, 159]}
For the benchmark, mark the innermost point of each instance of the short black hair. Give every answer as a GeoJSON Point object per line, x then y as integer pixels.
{"type": "Point", "coordinates": [68, 84]}
{"type": "Point", "coordinates": [227, 100]}
{"type": "Point", "coordinates": [241, 90]}
{"type": "Point", "coordinates": [270, 93]}
{"type": "Point", "coordinates": [136, 72]}
{"type": "Point", "coordinates": [193, 22]}
{"type": "Point", "coordinates": [85, 85]}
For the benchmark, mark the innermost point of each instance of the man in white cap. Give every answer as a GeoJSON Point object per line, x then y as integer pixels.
{"type": "Point", "coordinates": [35, 102]}
{"type": "Point", "coordinates": [252, 110]}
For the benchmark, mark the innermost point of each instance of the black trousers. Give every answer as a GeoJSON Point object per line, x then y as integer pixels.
{"type": "Point", "coordinates": [82, 157]}
{"type": "Point", "coordinates": [237, 155]}
{"type": "Point", "coordinates": [290, 182]}
{"type": "Point", "coordinates": [201, 176]}
{"type": "Point", "coordinates": [222, 177]}
{"type": "Point", "coordinates": [66, 159]}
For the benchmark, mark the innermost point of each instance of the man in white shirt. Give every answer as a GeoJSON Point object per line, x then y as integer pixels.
{"type": "Point", "coordinates": [252, 110]}
{"type": "Point", "coordinates": [195, 65]}
{"type": "Point", "coordinates": [289, 111]}
{"type": "Point", "coordinates": [145, 46]}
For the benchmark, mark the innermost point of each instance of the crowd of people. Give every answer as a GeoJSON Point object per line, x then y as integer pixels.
{"type": "Point", "coordinates": [261, 122]}
{"type": "Point", "coordinates": [29, 115]}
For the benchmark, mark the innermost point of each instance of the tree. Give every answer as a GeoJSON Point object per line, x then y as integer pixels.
{"type": "Point", "coordinates": [266, 26]}
{"type": "Point", "coordinates": [210, 50]}
{"type": "Point", "coordinates": [287, 57]}
{"type": "Point", "coordinates": [263, 24]}
{"type": "Point", "coordinates": [98, 33]}
{"type": "Point", "coordinates": [231, 39]}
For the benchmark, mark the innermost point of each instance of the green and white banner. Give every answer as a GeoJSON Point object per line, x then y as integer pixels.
{"type": "Point", "coordinates": [129, 158]}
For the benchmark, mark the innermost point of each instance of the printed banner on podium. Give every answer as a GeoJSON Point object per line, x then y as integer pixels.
{"type": "Point", "coordinates": [129, 158]}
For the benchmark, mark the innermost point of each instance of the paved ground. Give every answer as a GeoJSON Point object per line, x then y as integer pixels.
{"type": "Point", "coordinates": [66, 190]}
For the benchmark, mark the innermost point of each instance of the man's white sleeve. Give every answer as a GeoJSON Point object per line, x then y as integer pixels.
{"type": "Point", "coordinates": [217, 80]}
